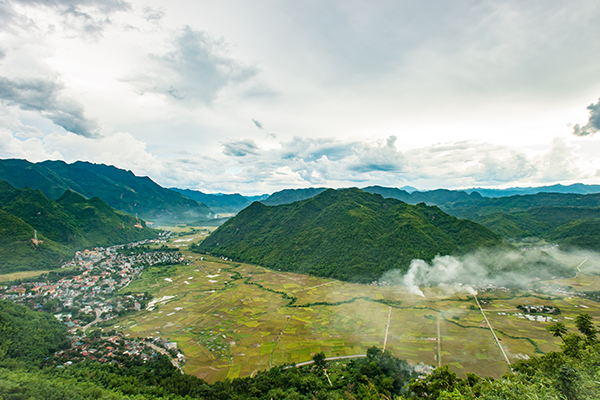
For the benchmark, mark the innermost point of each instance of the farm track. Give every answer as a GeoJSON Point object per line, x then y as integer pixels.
{"type": "Point", "coordinates": [493, 334]}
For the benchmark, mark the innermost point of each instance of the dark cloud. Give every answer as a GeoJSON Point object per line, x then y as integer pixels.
{"type": "Point", "coordinates": [86, 17]}
{"type": "Point", "coordinates": [261, 127]}
{"type": "Point", "coordinates": [240, 148]}
{"type": "Point", "coordinates": [153, 15]}
{"type": "Point", "coordinates": [105, 6]}
{"type": "Point", "coordinates": [195, 70]}
{"type": "Point", "coordinates": [43, 96]}
{"type": "Point", "coordinates": [593, 124]}
{"type": "Point", "coordinates": [258, 124]}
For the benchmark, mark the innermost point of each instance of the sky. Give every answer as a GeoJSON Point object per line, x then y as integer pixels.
{"type": "Point", "coordinates": [256, 96]}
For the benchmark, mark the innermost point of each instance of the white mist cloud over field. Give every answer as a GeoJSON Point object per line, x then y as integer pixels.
{"type": "Point", "coordinates": [500, 268]}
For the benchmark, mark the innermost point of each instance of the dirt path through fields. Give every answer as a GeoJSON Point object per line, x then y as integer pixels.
{"type": "Point", "coordinates": [387, 329]}
{"type": "Point", "coordinates": [493, 333]}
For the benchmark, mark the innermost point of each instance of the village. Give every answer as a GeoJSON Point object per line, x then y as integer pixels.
{"type": "Point", "coordinates": [85, 292]}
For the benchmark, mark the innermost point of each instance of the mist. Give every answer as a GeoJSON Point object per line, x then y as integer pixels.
{"type": "Point", "coordinates": [500, 268]}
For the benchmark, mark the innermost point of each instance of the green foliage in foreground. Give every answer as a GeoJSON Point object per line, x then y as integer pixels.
{"type": "Point", "coordinates": [29, 336]}
{"type": "Point", "coordinates": [71, 223]}
{"type": "Point", "coordinates": [344, 234]}
{"type": "Point", "coordinates": [571, 374]}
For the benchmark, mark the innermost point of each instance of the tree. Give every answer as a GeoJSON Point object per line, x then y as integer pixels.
{"type": "Point", "coordinates": [558, 329]}
{"type": "Point", "coordinates": [586, 327]}
{"type": "Point", "coordinates": [319, 359]}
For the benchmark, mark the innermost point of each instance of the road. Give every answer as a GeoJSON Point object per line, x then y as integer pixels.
{"type": "Point", "coordinates": [166, 353]}
{"type": "Point", "coordinates": [98, 314]}
{"type": "Point", "coordinates": [439, 343]}
{"type": "Point", "coordinates": [330, 359]}
{"type": "Point", "coordinates": [579, 266]}
{"type": "Point", "coordinates": [494, 334]}
{"type": "Point", "coordinates": [387, 329]}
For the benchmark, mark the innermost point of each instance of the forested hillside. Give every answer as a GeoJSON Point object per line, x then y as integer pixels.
{"type": "Point", "coordinates": [345, 234]}
{"type": "Point", "coordinates": [119, 188]}
{"type": "Point", "coordinates": [71, 223]}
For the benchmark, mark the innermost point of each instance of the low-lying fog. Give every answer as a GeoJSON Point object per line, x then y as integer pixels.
{"type": "Point", "coordinates": [518, 268]}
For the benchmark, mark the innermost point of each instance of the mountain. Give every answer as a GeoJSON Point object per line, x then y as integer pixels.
{"type": "Point", "coordinates": [220, 203]}
{"type": "Point", "coordinates": [514, 204]}
{"type": "Point", "coordinates": [287, 196]}
{"type": "Point", "coordinates": [431, 197]}
{"type": "Point", "coordinates": [119, 188]}
{"type": "Point", "coordinates": [63, 226]}
{"type": "Point", "coordinates": [345, 234]}
{"type": "Point", "coordinates": [576, 188]}
{"type": "Point", "coordinates": [259, 197]}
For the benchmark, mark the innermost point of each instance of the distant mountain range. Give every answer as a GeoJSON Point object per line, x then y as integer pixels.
{"type": "Point", "coordinates": [63, 226]}
{"type": "Point", "coordinates": [119, 188]}
{"type": "Point", "coordinates": [219, 203]}
{"type": "Point", "coordinates": [512, 213]}
{"type": "Point", "coordinates": [344, 234]}
{"type": "Point", "coordinates": [576, 188]}
{"type": "Point", "coordinates": [568, 219]}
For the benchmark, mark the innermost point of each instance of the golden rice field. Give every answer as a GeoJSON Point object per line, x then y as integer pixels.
{"type": "Point", "coordinates": [231, 319]}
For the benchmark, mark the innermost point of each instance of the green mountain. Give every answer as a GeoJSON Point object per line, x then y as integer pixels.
{"type": "Point", "coordinates": [120, 189]}
{"type": "Point", "coordinates": [287, 196]}
{"type": "Point", "coordinates": [64, 226]}
{"type": "Point", "coordinates": [345, 234]}
{"type": "Point", "coordinates": [220, 203]}
{"type": "Point", "coordinates": [568, 219]}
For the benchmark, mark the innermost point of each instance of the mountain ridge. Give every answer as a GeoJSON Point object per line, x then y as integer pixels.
{"type": "Point", "coordinates": [119, 188]}
{"type": "Point", "coordinates": [63, 226]}
{"type": "Point", "coordinates": [345, 234]}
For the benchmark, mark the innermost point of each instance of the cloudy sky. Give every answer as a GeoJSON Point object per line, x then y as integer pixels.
{"type": "Point", "coordinates": [256, 96]}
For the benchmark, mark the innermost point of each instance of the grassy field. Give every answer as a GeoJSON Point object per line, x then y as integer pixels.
{"type": "Point", "coordinates": [231, 319]}
{"type": "Point", "coordinates": [20, 275]}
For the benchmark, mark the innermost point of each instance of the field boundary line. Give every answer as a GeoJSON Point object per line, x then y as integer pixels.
{"type": "Point", "coordinates": [312, 287]}
{"type": "Point", "coordinates": [279, 338]}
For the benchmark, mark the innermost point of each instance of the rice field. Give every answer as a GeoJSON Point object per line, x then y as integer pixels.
{"type": "Point", "coordinates": [231, 320]}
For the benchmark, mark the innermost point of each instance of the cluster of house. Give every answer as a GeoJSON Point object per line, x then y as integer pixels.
{"type": "Point", "coordinates": [84, 292]}
{"type": "Point", "coordinates": [539, 309]}
{"type": "Point", "coordinates": [538, 318]}
{"type": "Point", "coordinates": [98, 274]}
{"type": "Point", "coordinates": [115, 348]}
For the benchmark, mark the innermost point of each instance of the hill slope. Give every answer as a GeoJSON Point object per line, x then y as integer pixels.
{"type": "Point", "coordinates": [118, 188]}
{"type": "Point", "coordinates": [71, 223]}
{"type": "Point", "coordinates": [344, 234]}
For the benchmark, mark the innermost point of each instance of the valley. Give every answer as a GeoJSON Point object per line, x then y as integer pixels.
{"type": "Point", "coordinates": [234, 319]}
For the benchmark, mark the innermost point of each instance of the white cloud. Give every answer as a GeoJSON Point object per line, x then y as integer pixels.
{"type": "Point", "coordinates": [439, 94]}
{"type": "Point", "coordinates": [194, 71]}
{"type": "Point", "coordinates": [245, 167]}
